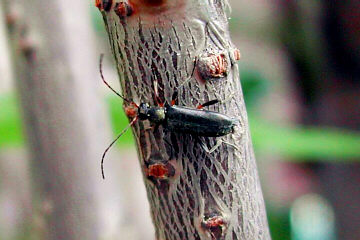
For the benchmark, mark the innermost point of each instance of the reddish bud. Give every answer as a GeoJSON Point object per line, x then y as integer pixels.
{"type": "Point", "coordinates": [215, 226]}
{"type": "Point", "coordinates": [104, 4]}
{"type": "Point", "coordinates": [152, 3]}
{"type": "Point", "coordinates": [27, 48]}
{"type": "Point", "coordinates": [213, 66]}
{"type": "Point", "coordinates": [237, 54]}
{"type": "Point", "coordinates": [11, 19]}
{"type": "Point", "coordinates": [123, 9]}
{"type": "Point", "coordinates": [216, 221]}
{"type": "Point", "coordinates": [98, 4]}
{"type": "Point", "coordinates": [160, 170]}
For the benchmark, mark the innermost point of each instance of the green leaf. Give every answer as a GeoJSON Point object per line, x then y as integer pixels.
{"type": "Point", "coordinates": [254, 86]}
{"type": "Point", "coordinates": [305, 143]}
{"type": "Point", "coordinates": [11, 133]}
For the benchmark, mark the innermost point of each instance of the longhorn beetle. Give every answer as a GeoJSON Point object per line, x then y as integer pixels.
{"type": "Point", "coordinates": [175, 118]}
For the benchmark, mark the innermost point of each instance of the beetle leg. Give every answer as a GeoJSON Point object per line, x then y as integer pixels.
{"type": "Point", "coordinates": [218, 143]}
{"type": "Point", "coordinates": [211, 150]}
{"type": "Point", "coordinates": [157, 98]}
{"type": "Point", "coordinates": [171, 148]}
{"type": "Point", "coordinates": [209, 103]}
{"type": "Point", "coordinates": [174, 98]}
{"type": "Point", "coordinates": [232, 145]}
{"type": "Point", "coordinates": [156, 127]}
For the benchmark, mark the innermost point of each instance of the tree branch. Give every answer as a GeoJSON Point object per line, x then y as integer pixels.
{"type": "Point", "coordinates": [54, 81]}
{"type": "Point", "coordinates": [184, 45]}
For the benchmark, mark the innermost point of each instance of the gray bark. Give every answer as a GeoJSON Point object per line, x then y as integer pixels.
{"type": "Point", "coordinates": [56, 71]}
{"type": "Point", "coordinates": [162, 41]}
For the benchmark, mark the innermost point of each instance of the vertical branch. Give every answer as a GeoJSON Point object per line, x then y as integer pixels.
{"type": "Point", "coordinates": [56, 73]}
{"type": "Point", "coordinates": [184, 45]}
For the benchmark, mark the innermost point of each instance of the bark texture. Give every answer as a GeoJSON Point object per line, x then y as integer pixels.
{"type": "Point", "coordinates": [56, 84]}
{"type": "Point", "coordinates": [211, 195]}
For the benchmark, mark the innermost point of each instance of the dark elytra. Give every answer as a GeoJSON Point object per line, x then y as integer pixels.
{"type": "Point", "coordinates": [198, 122]}
{"type": "Point", "coordinates": [188, 120]}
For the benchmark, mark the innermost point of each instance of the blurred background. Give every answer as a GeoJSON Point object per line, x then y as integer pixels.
{"type": "Point", "coordinates": [300, 73]}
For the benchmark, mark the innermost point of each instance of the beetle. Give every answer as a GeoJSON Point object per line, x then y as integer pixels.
{"type": "Point", "coordinates": [175, 118]}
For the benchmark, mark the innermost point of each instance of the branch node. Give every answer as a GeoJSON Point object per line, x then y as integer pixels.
{"type": "Point", "coordinates": [213, 66]}
{"type": "Point", "coordinates": [11, 20]}
{"type": "Point", "coordinates": [104, 5]}
{"type": "Point", "coordinates": [161, 171]}
{"type": "Point", "coordinates": [123, 9]}
{"type": "Point", "coordinates": [27, 48]}
{"type": "Point", "coordinates": [237, 54]}
{"type": "Point", "coordinates": [215, 225]}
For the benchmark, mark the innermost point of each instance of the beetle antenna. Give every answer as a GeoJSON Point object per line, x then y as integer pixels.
{"type": "Point", "coordinates": [102, 77]}
{"type": "Point", "coordinates": [112, 143]}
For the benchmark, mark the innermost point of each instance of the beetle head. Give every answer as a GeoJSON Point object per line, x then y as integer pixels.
{"type": "Point", "coordinates": [143, 111]}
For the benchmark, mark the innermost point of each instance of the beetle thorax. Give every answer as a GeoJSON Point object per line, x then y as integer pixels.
{"type": "Point", "coordinates": [153, 114]}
